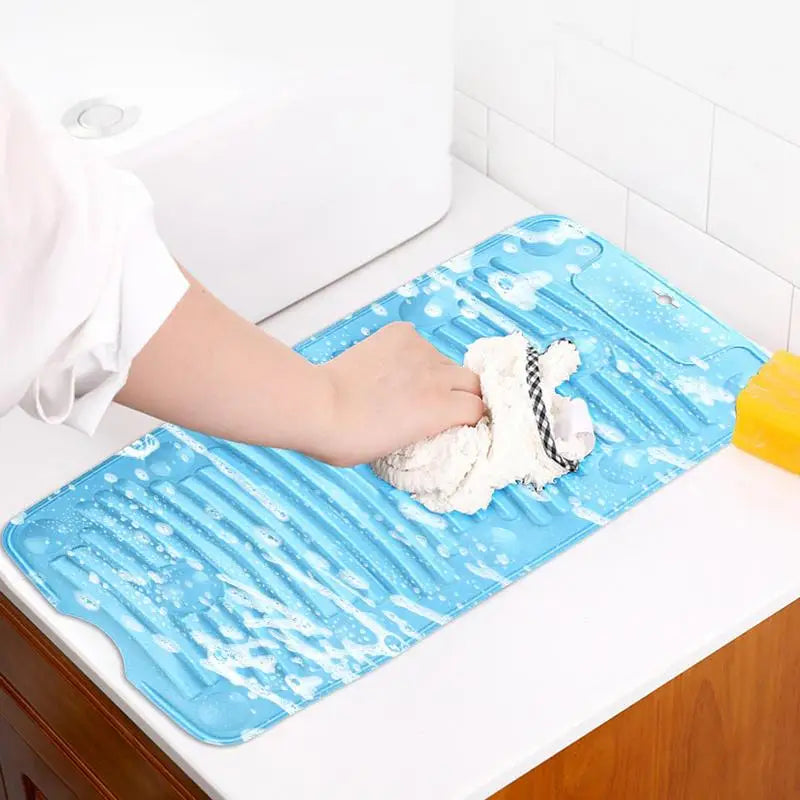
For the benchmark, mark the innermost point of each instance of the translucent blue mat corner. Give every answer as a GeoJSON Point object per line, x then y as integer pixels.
{"type": "Point", "coordinates": [241, 584]}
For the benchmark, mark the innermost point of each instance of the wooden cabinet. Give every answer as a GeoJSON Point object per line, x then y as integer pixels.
{"type": "Point", "coordinates": [25, 775]}
{"type": "Point", "coordinates": [3, 795]}
{"type": "Point", "coordinates": [726, 729]}
{"type": "Point", "coordinates": [61, 738]}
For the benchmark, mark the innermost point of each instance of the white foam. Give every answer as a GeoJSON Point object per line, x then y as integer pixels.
{"type": "Point", "coordinates": [460, 263]}
{"type": "Point", "coordinates": [519, 290]}
{"type": "Point", "coordinates": [401, 624]}
{"type": "Point", "coordinates": [588, 514]}
{"type": "Point", "coordinates": [251, 733]}
{"type": "Point", "coordinates": [129, 577]}
{"type": "Point", "coordinates": [483, 571]}
{"type": "Point", "coordinates": [609, 432]}
{"type": "Point", "coordinates": [227, 660]}
{"type": "Point", "coordinates": [272, 613]}
{"type": "Point", "coordinates": [141, 448]}
{"type": "Point", "coordinates": [226, 469]}
{"type": "Point", "coordinates": [354, 581]}
{"type": "Point", "coordinates": [416, 513]}
{"type": "Point", "coordinates": [132, 624]}
{"type": "Point", "coordinates": [557, 235]}
{"type": "Point", "coordinates": [668, 457]}
{"type": "Point", "coordinates": [165, 643]}
{"type": "Point", "coordinates": [305, 687]}
{"type": "Point", "coordinates": [316, 561]}
{"type": "Point", "coordinates": [407, 290]}
{"type": "Point", "coordinates": [421, 611]}
{"type": "Point", "coordinates": [433, 309]}
{"type": "Point", "coordinates": [89, 603]}
{"type": "Point", "coordinates": [699, 389]}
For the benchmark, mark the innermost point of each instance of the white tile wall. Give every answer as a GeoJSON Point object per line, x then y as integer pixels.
{"type": "Point", "coordinates": [741, 55]}
{"type": "Point", "coordinates": [553, 180]}
{"type": "Point", "coordinates": [689, 106]}
{"type": "Point", "coordinates": [470, 119]}
{"type": "Point", "coordinates": [755, 194]}
{"type": "Point", "coordinates": [635, 126]}
{"type": "Point", "coordinates": [471, 149]}
{"type": "Point", "coordinates": [469, 115]}
{"type": "Point", "coordinates": [505, 59]}
{"type": "Point", "coordinates": [739, 291]}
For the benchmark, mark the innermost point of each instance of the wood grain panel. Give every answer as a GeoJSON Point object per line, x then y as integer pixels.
{"type": "Point", "coordinates": [726, 729]}
{"type": "Point", "coordinates": [28, 778]}
{"type": "Point", "coordinates": [77, 732]}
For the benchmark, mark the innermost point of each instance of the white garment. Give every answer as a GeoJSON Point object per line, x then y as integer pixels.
{"type": "Point", "coordinates": [458, 470]}
{"type": "Point", "coordinates": [85, 280]}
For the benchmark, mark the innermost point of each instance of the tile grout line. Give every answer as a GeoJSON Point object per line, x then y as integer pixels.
{"type": "Point", "coordinates": [483, 105]}
{"type": "Point", "coordinates": [633, 60]}
{"type": "Point", "coordinates": [470, 97]}
{"type": "Point", "coordinates": [649, 200]}
{"type": "Point", "coordinates": [720, 106]}
{"type": "Point", "coordinates": [711, 236]}
{"type": "Point", "coordinates": [684, 87]}
{"type": "Point", "coordinates": [710, 164]}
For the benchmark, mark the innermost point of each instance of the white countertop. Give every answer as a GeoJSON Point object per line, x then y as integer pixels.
{"type": "Point", "coordinates": [529, 671]}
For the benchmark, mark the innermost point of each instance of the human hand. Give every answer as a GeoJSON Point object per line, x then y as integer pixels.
{"type": "Point", "coordinates": [389, 390]}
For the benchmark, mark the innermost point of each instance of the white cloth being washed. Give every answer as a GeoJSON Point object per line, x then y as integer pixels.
{"type": "Point", "coordinates": [529, 434]}
{"type": "Point", "coordinates": [85, 279]}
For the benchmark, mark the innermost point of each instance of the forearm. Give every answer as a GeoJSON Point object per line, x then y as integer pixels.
{"type": "Point", "coordinates": [210, 370]}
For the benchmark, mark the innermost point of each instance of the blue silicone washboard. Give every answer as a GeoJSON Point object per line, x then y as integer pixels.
{"type": "Point", "coordinates": [241, 584]}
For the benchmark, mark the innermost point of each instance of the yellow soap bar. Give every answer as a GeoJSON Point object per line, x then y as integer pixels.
{"type": "Point", "coordinates": [768, 413]}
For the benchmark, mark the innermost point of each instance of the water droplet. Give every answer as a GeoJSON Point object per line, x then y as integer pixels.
{"type": "Point", "coordinates": [132, 624]}
{"type": "Point", "coordinates": [433, 309]}
{"type": "Point", "coordinates": [88, 602]}
{"type": "Point", "coordinates": [166, 643]}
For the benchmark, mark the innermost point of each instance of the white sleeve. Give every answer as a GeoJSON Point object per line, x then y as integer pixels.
{"type": "Point", "coordinates": [85, 280]}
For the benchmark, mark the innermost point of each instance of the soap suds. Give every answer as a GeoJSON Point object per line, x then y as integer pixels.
{"type": "Point", "coordinates": [459, 469]}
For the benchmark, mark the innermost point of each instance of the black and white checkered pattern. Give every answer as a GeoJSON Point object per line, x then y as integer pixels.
{"type": "Point", "coordinates": [534, 379]}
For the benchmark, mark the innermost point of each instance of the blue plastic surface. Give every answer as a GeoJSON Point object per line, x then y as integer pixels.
{"type": "Point", "coordinates": [241, 584]}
